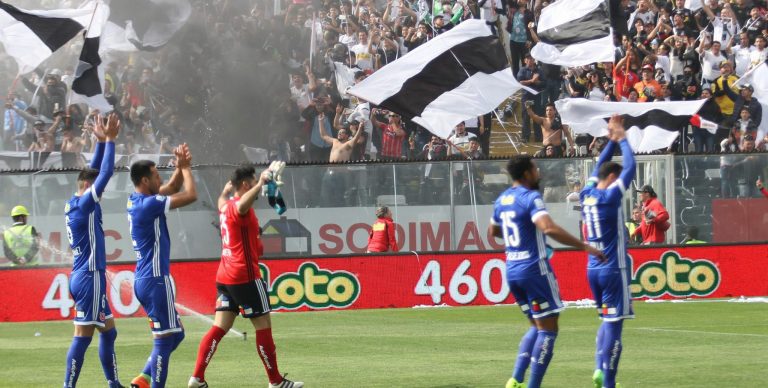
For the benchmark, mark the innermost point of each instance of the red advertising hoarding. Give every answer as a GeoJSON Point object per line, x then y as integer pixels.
{"type": "Point", "coordinates": [404, 280]}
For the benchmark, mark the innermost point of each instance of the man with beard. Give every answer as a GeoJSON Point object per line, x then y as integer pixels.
{"type": "Point", "coordinates": [521, 219]}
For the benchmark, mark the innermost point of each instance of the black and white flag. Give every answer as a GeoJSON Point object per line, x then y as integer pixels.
{"type": "Point", "coordinates": [146, 24]}
{"type": "Point", "coordinates": [460, 74]}
{"type": "Point", "coordinates": [650, 126]}
{"type": "Point", "coordinates": [574, 33]}
{"type": "Point", "coordinates": [88, 84]}
{"type": "Point", "coordinates": [30, 37]}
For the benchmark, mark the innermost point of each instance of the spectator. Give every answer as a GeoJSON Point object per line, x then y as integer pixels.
{"type": "Point", "coordinates": [759, 185]}
{"type": "Point", "coordinates": [529, 76]}
{"type": "Point", "coordinates": [755, 25]}
{"type": "Point", "coordinates": [711, 60]}
{"type": "Point", "coordinates": [722, 98]}
{"type": "Point", "coordinates": [742, 54]}
{"type": "Point", "coordinates": [13, 123]}
{"type": "Point", "coordinates": [21, 241]}
{"type": "Point", "coordinates": [382, 235]}
{"type": "Point", "coordinates": [392, 135]}
{"type": "Point", "coordinates": [692, 236]}
{"type": "Point", "coordinates": [703, 140]}
{"type": "Point", "coordinates": [552, 129]}
{"type": "Point", "coordinates": [758, 55]}
{"type": "Point", "coordinates": [633, 224]}
{"type": "Point", "coordinates": [342, 145]}
{"type": "Point", "coordinates": [654, 224]}
{"type": "Point", "coordinates": [435, 149]}
{"type": "Point", "coordinates": [744, 126]}
{"type": "Point", "coordinates": [519, 38]}
{"type": "Point", "coordinates": [745, 99]}
{"type": "Point", "coordinates": [648, 89]}
{"type": "Point", "coordinates": [459, 140]}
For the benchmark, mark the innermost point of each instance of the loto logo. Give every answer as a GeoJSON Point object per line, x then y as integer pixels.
{"type": "Point", "coordinates": [312, 287]}
{"type": "Point", "coordinates": [675, 276]}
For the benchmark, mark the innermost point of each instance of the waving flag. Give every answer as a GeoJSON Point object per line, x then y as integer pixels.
{"type": "Point", "coordinates": [650, 126]}
{"type": "Point", "coordinates": [574, 33]}
{"type": "Point", "coordinates": [460, 74]}
{"type": "Point", "coordinates": [147, 24]}
{"type": "Point", "coordinates": [30, 37]}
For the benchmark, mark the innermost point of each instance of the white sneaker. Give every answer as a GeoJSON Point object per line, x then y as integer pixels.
{"type": "Point", "coordinates": [287, 384]}
{"type": "Point", "coordinates": [194, 382]}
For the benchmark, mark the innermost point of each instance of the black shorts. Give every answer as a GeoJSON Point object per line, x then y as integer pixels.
{"type": "Point", "coordinates": [249, 299]}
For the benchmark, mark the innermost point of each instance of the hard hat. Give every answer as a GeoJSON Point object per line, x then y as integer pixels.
{"type": "Point", "coordinates": [19, 211]}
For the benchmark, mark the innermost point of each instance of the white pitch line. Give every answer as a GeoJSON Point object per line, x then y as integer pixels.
{"type": "Point", "coordinates": [699, 332]}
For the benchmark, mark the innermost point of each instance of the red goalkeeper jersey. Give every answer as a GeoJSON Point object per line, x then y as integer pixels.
{"type": "Point", "coordinates": [240, 245]}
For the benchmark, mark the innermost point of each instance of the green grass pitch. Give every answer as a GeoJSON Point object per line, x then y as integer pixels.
{"type": "Point", "coordinates": [708, 344]}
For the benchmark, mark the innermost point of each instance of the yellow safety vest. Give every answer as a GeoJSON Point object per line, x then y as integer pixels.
{"type": "Point", "coordinates": [20, 239]}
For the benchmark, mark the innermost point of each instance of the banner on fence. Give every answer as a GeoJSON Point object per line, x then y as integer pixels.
{"type": "Point", "coordinates": [373, 281]}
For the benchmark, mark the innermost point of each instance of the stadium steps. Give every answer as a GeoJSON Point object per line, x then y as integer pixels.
{"type": "Point", "coordinates": [511, 128]}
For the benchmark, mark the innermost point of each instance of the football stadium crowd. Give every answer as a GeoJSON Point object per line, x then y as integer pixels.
{"type": "Point", "coordinates": [270, 79]}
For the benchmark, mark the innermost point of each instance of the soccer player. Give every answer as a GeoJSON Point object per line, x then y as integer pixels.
{"type": "Point", "coordinates": [521, 219]}
{"type": "Point", "coordinates": [609, 280]}
{"type": "Point", "coordinates": [88, 283]}
{"type": "Point", "coordinates": [147, 208]}
{"type": "Point", "coordinates": [238, 280]}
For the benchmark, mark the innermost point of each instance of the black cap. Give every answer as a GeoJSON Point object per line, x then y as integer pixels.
{"type": "Point", "coordinates": [647, 189]}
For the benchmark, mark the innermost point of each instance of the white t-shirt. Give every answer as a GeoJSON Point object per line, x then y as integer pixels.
{"type": "Point", "coordinates": [743, 58]}
{"type": "Point", "coordinates": [460, 141]}
{"type": "Point", "coordinates": [363, 57]}
{"type": "Point", "coordinates": [710, 65]}
{"type": "Point", "coordinates": [363, 111]}
{"type": "Point", "coordinates": [301, 97]}
{"type": "Point", "coordinates": [757, 57]}
{"type": "Point", "coordinates": [349, 40]}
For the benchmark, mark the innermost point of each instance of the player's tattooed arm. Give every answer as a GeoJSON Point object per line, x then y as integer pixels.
{"type": "Point", "coordinates": [247, 200]}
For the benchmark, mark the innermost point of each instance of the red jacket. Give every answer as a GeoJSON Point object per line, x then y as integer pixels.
{"type": "Point", "coordinates": [382, 237]}
{"type": "Point", "coordinates": [655, 229]}
{"type": "Point", "coordinates": [764, 191]}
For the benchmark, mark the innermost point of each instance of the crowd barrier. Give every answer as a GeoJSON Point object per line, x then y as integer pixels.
{"type": "Point", "coordinates": [401, 281]}
{"type": "Point", "coordinates": [437, 206]}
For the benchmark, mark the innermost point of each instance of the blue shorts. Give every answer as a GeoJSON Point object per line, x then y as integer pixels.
{"type": "Point", "coordinates": [537, 296]}
{"type": "Point", "coordinates": [157, 298]}
{"type": "Point", "coordinates": [610, 288]}
{"type": "Point", "coordinates": [89, 290]}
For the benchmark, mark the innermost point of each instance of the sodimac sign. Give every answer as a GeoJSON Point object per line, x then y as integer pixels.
{"type": "Point", "coordinates": [403, 280]}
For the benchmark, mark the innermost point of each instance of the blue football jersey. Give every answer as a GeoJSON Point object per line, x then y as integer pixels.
{"type": "Point", "coordinates": [84, 232]}
{"type": "Point", "coordinates": [82, 215]}
{"type": "Point", "coordinates": [149, 234]}
{"type": "Point", "coordinates": [515, 212]}
{"type": "Point", "coordinates": [602, 214]}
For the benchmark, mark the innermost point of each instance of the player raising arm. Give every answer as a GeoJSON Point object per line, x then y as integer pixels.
{"type": "Point", "coordinates": [88, 283]}
{"type": "Point", "coordinates": [238, 280]}
{"type": "Point", "coordinates": [601, 201]}
{"type": "Point", "coordinates": [147, 208]}
{"type": "Point", "coordinates": [520, 218]}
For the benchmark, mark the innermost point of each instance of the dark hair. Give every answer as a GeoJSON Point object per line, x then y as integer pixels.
{"type": "Point", "coordinates": [607, 169]}
{"type": "Point", "coordinates": [88, 175]}
{"type": "Point", "coordinates": [141, 169]}
{"type": "Point", "coordinates": [693, 232]}
{"type": "Point", "coordinates": [518, 166]}
{"type": "Point", "coordinates": [241, 174]}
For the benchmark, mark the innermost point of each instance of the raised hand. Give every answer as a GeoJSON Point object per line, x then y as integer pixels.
{"type": "Point", "coordinates": [98, 129]}
{"type": "Point", "coordinates": [112, 128]}
{"type": "Point", "coordinates": [616, 130]}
